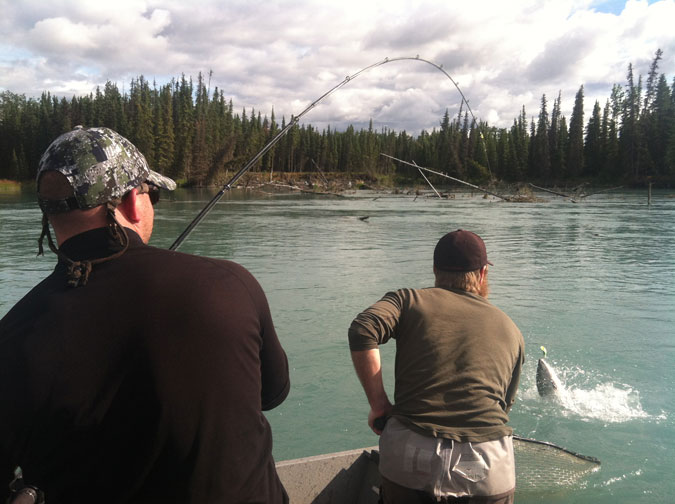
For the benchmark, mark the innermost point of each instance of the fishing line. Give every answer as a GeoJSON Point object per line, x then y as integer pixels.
{"type": "Point", "coordinates": [294, 120]}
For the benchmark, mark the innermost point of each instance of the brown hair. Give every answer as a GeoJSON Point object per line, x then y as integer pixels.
{"type": "Point", "coordinates": [467, 281]}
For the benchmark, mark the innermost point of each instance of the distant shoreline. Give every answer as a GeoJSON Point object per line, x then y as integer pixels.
{"type": "Point", "coordinates": [338, 183]}
{"type": "Point", "coordinates": [9, 186]}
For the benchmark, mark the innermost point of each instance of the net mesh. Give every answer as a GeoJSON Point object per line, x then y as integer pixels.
{"type": "Point", "coordinates": [544, 466]}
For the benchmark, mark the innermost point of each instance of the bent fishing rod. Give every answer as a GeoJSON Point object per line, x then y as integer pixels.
{"type": "Point", "coordinates": [294, 120]}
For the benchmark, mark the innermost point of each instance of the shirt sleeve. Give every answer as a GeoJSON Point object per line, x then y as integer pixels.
{"type": "Point", "coordinates": [273, 370]}
{"type": "Point", "coordinates": [377, 324]}
{"type": "Point", "coordinates": [515, 377]}
{"type": "Point", "coordinates": [274, 373]}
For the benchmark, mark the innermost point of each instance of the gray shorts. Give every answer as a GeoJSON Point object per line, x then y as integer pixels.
{"type": "Point", "coordinates": [446, 468]}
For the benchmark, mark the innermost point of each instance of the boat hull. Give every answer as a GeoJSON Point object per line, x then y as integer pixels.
{"type": "Point", "coordinates": [349, 476]}
{"type": "Point", "coordinates": [353, 477]}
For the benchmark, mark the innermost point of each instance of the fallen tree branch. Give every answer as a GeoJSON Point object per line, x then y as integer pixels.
{"type": "Point", "coordinates": [296, 188]}
{"type": "Point", "coordinates": [505, 198]}
{"type": "Point", "coordinates": [601, 191]}
{"type": "Point", "coordinates": [320, 172]}
{"type": "Point", "coordinates": [425, 178]}
{"type": "Point", "coordinates": [549, 191]}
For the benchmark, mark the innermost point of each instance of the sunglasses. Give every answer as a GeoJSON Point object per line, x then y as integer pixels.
{"type": "Point", "coordinates": [151, 190]}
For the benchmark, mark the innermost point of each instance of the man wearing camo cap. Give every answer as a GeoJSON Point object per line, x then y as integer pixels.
{"type": "Point", "coordinates": [94, 169]}
{"type": "Point", "coordinates": [133, 374]}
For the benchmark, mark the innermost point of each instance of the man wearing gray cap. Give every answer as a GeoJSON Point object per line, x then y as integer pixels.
{"type": "Point", "coordinates": [133, 374]}
{"type": "Point", "coordinates": [458, 363]}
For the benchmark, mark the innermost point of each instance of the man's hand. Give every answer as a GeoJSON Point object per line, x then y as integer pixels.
{"type": "Point", "coordinates": [382, 412]}
{"type": "Point", "coordinates": [369, 370]}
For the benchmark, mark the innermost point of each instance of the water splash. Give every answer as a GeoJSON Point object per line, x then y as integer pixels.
{"type": "Point", "coordinates": [607, 401]}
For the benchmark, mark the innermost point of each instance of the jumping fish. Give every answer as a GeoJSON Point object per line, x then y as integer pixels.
{"type": "Point", "coordinates": [548, 383]}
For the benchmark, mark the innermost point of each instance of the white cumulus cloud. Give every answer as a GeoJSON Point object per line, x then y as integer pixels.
{"type": "Point", "coordinates": [285, 54]}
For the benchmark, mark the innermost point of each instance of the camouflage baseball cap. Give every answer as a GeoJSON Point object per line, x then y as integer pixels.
{"type": "Point", "coordinates": [100, 164]}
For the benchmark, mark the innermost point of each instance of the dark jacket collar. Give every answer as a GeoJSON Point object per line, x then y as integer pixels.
{"type": "Point", "coordinates": [96, 243]}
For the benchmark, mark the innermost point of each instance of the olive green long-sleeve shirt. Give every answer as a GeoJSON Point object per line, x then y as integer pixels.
{"type": "Point", "coordinates": [458, 360]}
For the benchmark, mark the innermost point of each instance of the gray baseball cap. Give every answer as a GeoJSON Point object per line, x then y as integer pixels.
{"type": "Point", "coordinates": [100, 164]}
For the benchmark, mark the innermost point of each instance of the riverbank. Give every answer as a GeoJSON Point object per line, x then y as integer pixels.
{"type": "Point", "coordinates": [9, 186]}
{"type": "Point", "coordinates": [340, 184]}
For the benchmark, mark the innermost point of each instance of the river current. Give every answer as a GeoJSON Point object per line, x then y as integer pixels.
{"type": "Point", "coordinates": [592, 281]}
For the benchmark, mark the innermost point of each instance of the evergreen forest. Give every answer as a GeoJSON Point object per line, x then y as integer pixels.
{"type": "Point", "coordinates": [196, 136]}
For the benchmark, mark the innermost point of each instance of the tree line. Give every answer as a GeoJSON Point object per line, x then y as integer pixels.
{"type": "Point", "coordinates": [195, 136]}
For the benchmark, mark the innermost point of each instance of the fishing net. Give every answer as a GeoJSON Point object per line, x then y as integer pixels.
{"type": "Point", "coordinates": [543, 466]}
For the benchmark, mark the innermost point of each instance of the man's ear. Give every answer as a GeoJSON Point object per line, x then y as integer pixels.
{"type": "Point", "coordinates": [130, 207]}
{"type": "Point", "coordinates": [483, 273]}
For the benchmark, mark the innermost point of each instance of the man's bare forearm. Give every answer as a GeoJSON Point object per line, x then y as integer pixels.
{"type": "Point", "coordinates": [369, 370]}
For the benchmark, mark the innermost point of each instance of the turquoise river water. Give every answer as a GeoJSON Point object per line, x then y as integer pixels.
{"type": "Point", "coordinates": [594, 282]}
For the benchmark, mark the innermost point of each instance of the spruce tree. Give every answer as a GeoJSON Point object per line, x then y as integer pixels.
{"type": "Point", "coordinates": [540, 150]}
{"type": "Point", "coordinates": [140, 109]}
{"type": "Point", "coordinates": [522, 145]}
{"type": "Point", "coordinates": [652, 82]}
{"type": "Point", "coordinates": [575, 146]}
{"type": "Point", "coordinates": [164, 131]}
{"type": "Point", "coordinates": [555, 149]}
{"type": "Point", "coordinates": [200, 145]}
{"type": "Point", "coordinates": [629, 137]}
{"type": "Point", "coordinates": [603, 168]}
{"type": "Point", "coordinates": [593, 143]}
{"type": "Point", "coordinates": [183, 128]}
{"type": "Point", "coordinates": [531, 157]}
{"type": "Point", "coordinates": [563, 141]}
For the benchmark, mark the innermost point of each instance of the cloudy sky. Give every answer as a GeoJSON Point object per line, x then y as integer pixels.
{"type": "Point", "coordinates": [285, 54]}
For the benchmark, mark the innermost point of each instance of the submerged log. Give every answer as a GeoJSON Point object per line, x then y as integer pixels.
{"type": "Point", "coordinates": [550, 191]}
{"type": "Point", "coordinates": [300, 189]}
{"type": "Point", "coordinates": [600, 191]}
